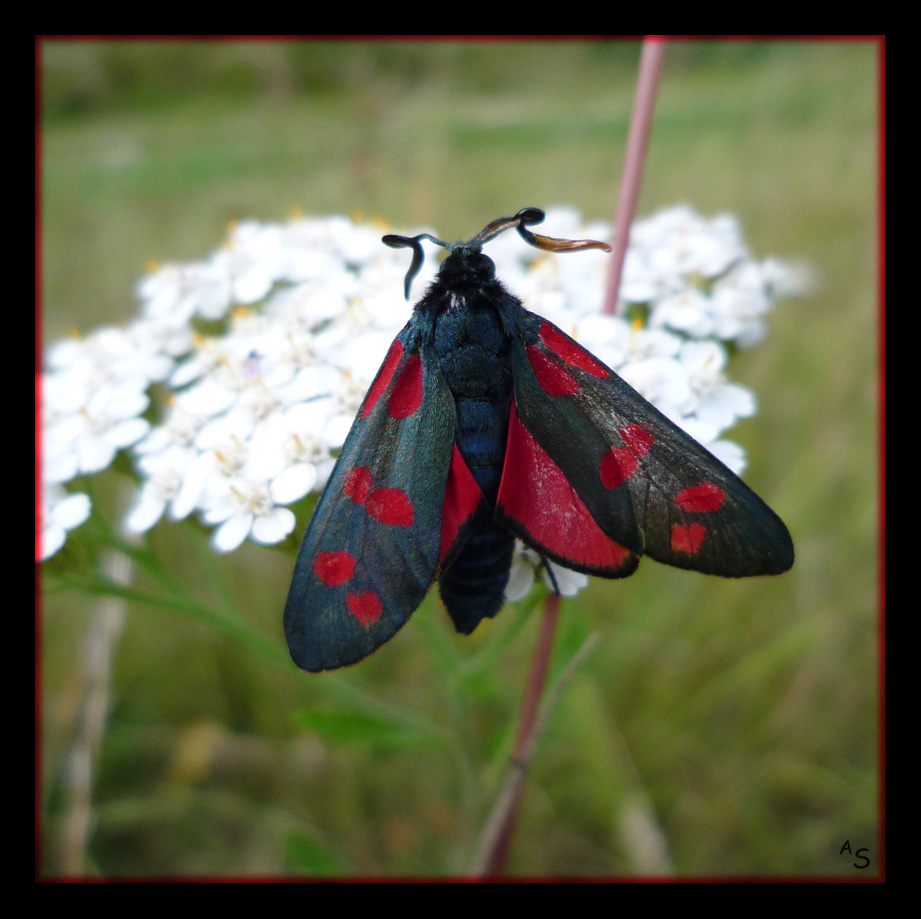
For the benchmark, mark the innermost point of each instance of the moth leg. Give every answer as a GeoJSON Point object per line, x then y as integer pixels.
{"type": "Point", "coordinates": [551, 575]}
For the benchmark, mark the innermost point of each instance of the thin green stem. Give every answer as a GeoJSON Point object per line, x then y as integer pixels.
{"type": "Point", "coordinates": [231, 626]}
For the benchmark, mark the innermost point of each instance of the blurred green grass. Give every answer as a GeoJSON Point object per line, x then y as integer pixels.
{"type": "Point", "coordinates": [719, 728]}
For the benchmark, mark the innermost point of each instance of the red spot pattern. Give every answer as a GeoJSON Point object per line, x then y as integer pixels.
{"type": "Point", "coordinates": [334, 568]}
{"type": "Point", "coordinates": [365, 606]}
{"type": "Point", "coordinates": [554, 378]}
{"type": "Point", "coordinates": [638, 439]}
{"type": "Point", "coordinates": [406, 396]}
{"type": "Point", "coordinates": [701, 498]}
{"type": "Point", "coordinates": [617, 465]}
{"type": "Point", "coordinates": [358, 484]}
{"type": "Point", "coordinates": [535, 493]}
{"type": "Point", "coordinates": [384, 375]}
{"type": "Point", "coordinates": [387, 505]}
{"type": "Point", "coordinates": [462, 496]}
{"type": "Point", "coordinates": [568, 351]}
{"type": "Point", "coordinates": [391, 506]}
{"type": "Point", "coordinates": [688, 539]}
{"type": "Point", "coordinates": [620, 463]}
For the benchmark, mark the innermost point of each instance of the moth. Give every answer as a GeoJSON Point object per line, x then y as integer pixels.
{"type": "Point", "coordinates": [487, 423]}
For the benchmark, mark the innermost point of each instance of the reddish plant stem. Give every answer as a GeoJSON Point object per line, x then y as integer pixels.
{"type": "Point", "coordinates": [637, 141]}
{"type": "Point", "coordinates": [537, 678]}
{"type": "Point", "coordinates": [507, 810]}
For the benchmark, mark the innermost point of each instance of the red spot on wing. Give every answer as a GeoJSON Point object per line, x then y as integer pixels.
{"type": "Point", "coordinates": [334, 568]}
{"type": "Point", "coordinates": [553, 377]}
{"type": "Point", "coordinates": [365, 606]}
{"type": "Point", "coordinates": [700, 498]}
{"type": "Point", "coordinates": [688, 539]}
{"type": "Point", "coordinates": [462, 497]}
{"type": "Point", "coordinates": [620, 463]}
{"type": "Point", "coordinates": [387, 505]}
{"type": "Point", "coordinates": [617, 465]}
{"type": "Point", "coordinates": [638, 439]}
{"type": "Point", "coordinates": [571, 353]}
{"type": "Point", "coordinates": [384, 375]}
{"type": "Point", "coordinates": [406, 396]}
{"type": "Point", "coordinates": [358, 484]}
{"type": "Point", "coordinates": [535, 493]}
{"type": "Point", "coordinates": [391, 506]}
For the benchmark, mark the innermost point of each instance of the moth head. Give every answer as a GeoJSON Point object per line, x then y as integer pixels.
{"type": "Point", "coordinates": [471, 251]}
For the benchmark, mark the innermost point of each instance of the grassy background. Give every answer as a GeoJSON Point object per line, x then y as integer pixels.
{"type": "Point", "coordinates": [719, 728]}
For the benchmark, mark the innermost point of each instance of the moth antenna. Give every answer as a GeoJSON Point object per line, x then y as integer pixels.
{"type": "Point", "coordinates": [526, 217]}
{"type": "Point", "coordinates": [550, 243]}
{"type": "Point", "coordinates": [412, 242]}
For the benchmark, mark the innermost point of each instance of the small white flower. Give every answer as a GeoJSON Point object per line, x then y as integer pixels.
{"type": "Point", "coordinates": [521, 575]}
{"type": "Point", "coordinates": [686, 311]}
{"type": "Point", "coordinates": [166, 471]}
{"type": "Point", "coordinates": [525, 564]}
{"type": "Point", "coordinates": [729, 453]}
{"type": "Point", "coordinates": [716, 402]}
{"type": "Point", "coordinates": [61, 512]}
{"type": "Point", "coordinates": [662, 381]}
{"type": "Point", "coordinates": [246, 508]}
{"type": "Point", "coordinates": [105, 421]}
{"type": "Point", "coordinates": [252, 259]}
{"type": "Point", "coordinates": [783, 278]}
{"type": "Point", "coordinates": [176, 293]}
{"type": "Point", "coordinates": [609, 338]}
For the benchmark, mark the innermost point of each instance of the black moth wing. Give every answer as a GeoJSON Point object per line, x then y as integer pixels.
{"type": "Point", "coordinates": [371, 551]}
{"type": "Point", "coordinates": [648, 485]}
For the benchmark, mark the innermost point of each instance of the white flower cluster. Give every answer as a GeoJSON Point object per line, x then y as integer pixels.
{"type": "Point", "coordinates": [306, 312]}
{"type": "Point", "coordinates": [93, 392]}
